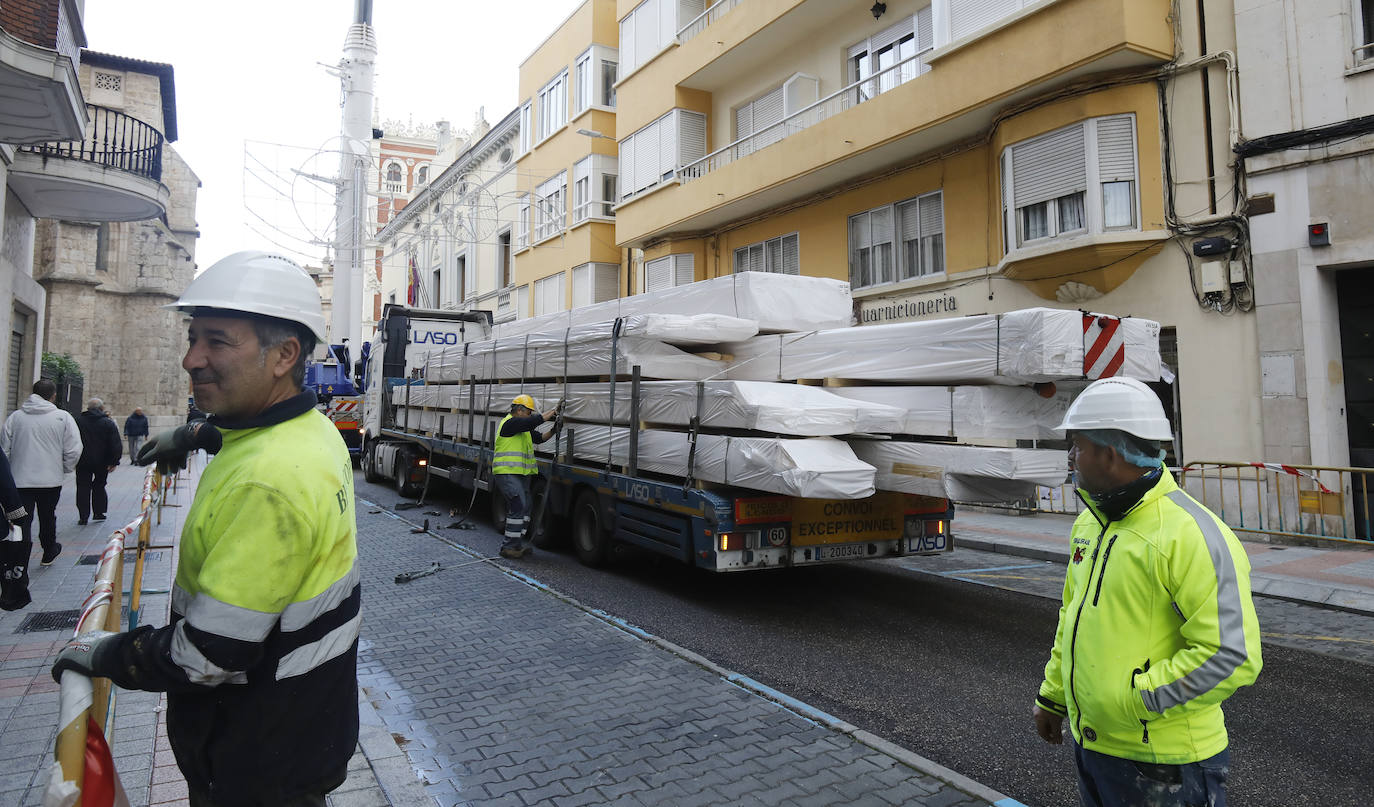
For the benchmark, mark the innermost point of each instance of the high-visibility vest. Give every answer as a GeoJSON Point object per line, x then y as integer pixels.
{"type": "Point", "coordinates": [514, 455]}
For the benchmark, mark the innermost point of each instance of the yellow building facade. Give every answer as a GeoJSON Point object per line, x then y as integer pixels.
{"type": "Point", "coordinates": [954, 157]}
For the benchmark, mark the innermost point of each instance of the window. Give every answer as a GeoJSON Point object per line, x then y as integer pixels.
{"type": "Point", "coordinates": [395, 180]}
{"type": "Point", "coordinates": [881, 54]}
{"type": "Point", "coordinates": [780, 255]}
{"type": "Point", "coordinates": [551, 207]}
{"type": "Point", "coordinates": [653, 26]}
{"type": "Point", "coordinates": [965, 17]}
{"type": "Point", "coordinates": [594, 79]}
{"type": "Point", "coordinates": [553, 106]}
{"type": "Point", "coordinates": [523, 234]}
{"type": "Point", "coordinates": [526, 130]}
{"type": "Point", "coordinates": [522, 302]}
{"type": "Point", "coordinates": [1364, 30]}
{"type": "Point", "coordinates": [549, 295]}
{"type": "Point", "coordinates": [594, 182]}
{"type": "Point", "coordinates": [897, 242]}
{"type": "Point", "coordinates": [668, 271]}
{"type": "Point", "coordinates": [1073, 181]}
{"type": "Point", "coordinates": [461, 274]}
{"type": "Point", "coordinates": [759, 118]}
{"type": "Point", "coordinates": [652, 155]}
{"type": "Point", "coordinates": [436, 288]}
{"type": "Point", "coordinates": [595, 283]}
{"type": "Point", "coordinates": [503, 278]}
{"type": "Point", "coordinates": [422, 175]}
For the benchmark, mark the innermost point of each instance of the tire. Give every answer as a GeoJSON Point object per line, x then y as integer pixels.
{"type": "Point", "coordinates": [590, 541]}
{"type": "Point", "coordinates": [498, 511]}
{"type": "Point", "coordinates": [369, 463]}
{"type": "Point", "coordinates": [552, 530]}
{"type": "Point", "coordinates": [405, 487]}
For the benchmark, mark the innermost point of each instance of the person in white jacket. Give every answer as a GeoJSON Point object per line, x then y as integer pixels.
{"type": "Point", "coordinates": [43, 444]}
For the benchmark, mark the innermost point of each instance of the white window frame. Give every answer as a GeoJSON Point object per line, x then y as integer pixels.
{"type": "Point", "coordinates": [550, 294]}
{"type": "Point", "coordinates": [1100, 172]}
{"type": "Point", "coordinates": [553, 106]}
{"type": "Point", "coordinates": [651, 28]}
{"type": "Point", "coordinates": [505, 258]}
{"type": "Point", "coordinates": [522, 237]}
{"type": "Point", "coordinates": [590, 199]}
{"type": "Point", "coordinates": [551, 207]}
{"type": "Point", "coordinates": [909, 38]}
{"type": "Point", "coordinates": [526, 128]}
{"type": "Point", "coordinates": [771, 255]}
{"type": "Point", "coordinates": [653, 155]}
{"type": "Point", "coordinates": [929, 246]}
{"type": "Point", "coordinates": [668, 271]}
{"type": "Point", "coordinates": [1363, 17]}
{"type": "Point", "coordinates": [966, 18]}
{"type": "Point", "coordinates": [595, 283]}
{"type": "Point", "coordinates": [388, 185]}
{"type": "Point", "coordinates": [589, 87]}
{"type": "Point", "coordinates": [422, 167]}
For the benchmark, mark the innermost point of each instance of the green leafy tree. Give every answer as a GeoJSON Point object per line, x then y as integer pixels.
{"type": "Point", "coordinates": [62, 369]}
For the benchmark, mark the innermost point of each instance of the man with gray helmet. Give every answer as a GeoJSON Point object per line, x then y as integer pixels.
{"type": "Point", "coordinates": [1156, 628]}
{"type": "Point", "coordinates": [260, 658]}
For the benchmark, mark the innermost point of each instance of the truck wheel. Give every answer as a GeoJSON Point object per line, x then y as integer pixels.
{"type": "Point", "coordinates": [404, 461]}
{"type": "Point", "coordinates": [369, 463]}
{"type": "Point", "coordinates": [498, 511]}
{"type": "Point", "coordinates": [552, 530]}
{"type": "Point", "coordinates": [589, 535]}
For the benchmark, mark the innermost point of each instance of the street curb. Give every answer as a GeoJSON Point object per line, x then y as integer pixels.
{"type": "Point", "coordinates": [1331, 598]}
{"type": "Point", "coordinates": [390, 765]}
{"type": "Point", "coordinates": [797, 707]}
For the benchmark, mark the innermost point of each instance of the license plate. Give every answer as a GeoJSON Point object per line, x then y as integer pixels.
{"type": "Point", "coordinates": [841, 551]}
{"type": "Point", "coordinates": [927, 543]}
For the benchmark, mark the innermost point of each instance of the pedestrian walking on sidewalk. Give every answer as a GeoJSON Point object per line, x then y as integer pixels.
{"type": "Point", "coordinates": [259, 661]}
{"type": "Point", "coordinates": [43, 445]}
{"type": "Point", "coordinates": [14, 550]}
{"type": "Point", "coordinates": [1157, 627]}
{"type": "Point", "coordinates": [513, 467]}
{"type": "Point", "coordinates": [100, 454]}
{"type": "Point", "coordinates": [135, 431]}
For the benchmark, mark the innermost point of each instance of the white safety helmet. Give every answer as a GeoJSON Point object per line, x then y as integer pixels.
{"type": "Point", "coordinates": [257, 283]}
{"type": "Point", "coordinates": [1124, 404]}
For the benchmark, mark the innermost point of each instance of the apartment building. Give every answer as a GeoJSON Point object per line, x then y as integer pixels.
{"type": "Point", "coordinates": [1307, 79]}
{"type": "Point", "coordinates": [954, 157]}
{"type": "Point", "coordinates": [451, 246]}
{"type": "Point", "coordinates": [405, 157]}
{"type": "Point", "coordinates": [567, 171]}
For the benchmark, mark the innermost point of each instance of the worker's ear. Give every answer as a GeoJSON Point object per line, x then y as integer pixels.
{"type": "Point", "coordinates": [283, 357]}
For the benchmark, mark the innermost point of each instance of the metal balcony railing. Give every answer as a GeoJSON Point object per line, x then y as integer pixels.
{"type": "Point", "coordinates": [705, 18]}
{"type": "Point", "coordinates": [852, 95]}
{"type": "Point", "coordinates": [112, 139]}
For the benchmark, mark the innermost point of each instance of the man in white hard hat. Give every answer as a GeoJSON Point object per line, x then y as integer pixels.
{"type": "Point", "coordinates": [1156, 628]}
{"type": "Point", "coordinates": [260, 659]}
{"type": "Point", "coordinates": [513, 465]}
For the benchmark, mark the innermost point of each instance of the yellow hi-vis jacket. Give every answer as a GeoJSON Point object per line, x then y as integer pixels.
{"type": "Point", "coordinates": [514, 455]}
{"type": "Point", "coordinates": [1156, 629]}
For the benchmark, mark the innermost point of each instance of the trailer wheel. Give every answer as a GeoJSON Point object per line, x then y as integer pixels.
{"type": "Point", "coordinates": [369, 463]}
{"type": "Point", "coordinates": [498, 511]}
{"type": "Point", "coordinates": [590, 540]}
{"type": "Point", "coordinates": [404, 462]}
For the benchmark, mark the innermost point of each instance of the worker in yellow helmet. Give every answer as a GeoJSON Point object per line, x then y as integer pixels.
{"type": "Point", "coordinates": [513, 465]}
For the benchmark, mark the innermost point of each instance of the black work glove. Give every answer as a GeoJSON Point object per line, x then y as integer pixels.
{"type": "Point", "coordinates": [169, 449]}
{"type": "Point", "coordinates": [85, 654]}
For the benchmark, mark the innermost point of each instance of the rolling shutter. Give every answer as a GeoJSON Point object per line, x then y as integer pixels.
{"type": "Point", "coordinates": [968, 16]}
{"type": "Point", "coordinates": [1049, 167]}
{"type": "Point", "coordinates": [1115, 149]}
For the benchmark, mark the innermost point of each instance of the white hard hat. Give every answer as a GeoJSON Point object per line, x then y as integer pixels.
{"type": "Point", "coordinates": [257, 283]}
{"type": "Point", "coordinates": [1124, 404]}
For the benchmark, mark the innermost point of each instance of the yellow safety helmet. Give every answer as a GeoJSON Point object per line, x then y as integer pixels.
{"type": "Point", "coordinates": [525, 401]}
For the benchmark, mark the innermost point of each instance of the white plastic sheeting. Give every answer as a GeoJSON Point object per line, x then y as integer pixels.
{"type": "Point", "coordinates": [969, 413]}
{"type": "Point", "coordinates": [1019, 347]}
{"type": "Point", "coordinates": [922, 468]}
{"type": "Point", "coordinates": [785, 409]}
{"type": "Point", "coordinates": [776, 303]}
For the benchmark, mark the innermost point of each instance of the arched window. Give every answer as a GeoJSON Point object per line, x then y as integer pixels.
{"type": "Point", "coordinates": [423, 176]}
{"type": "Point", "coordinates": [393, 173]}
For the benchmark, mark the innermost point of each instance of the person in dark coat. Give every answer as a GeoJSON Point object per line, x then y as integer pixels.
{"type": "Point", "coordinates": [14, 550]}
{"type": "Point", "coordinates": [101, 450]}
{"type": "Point", "coordinates": [135, 431]}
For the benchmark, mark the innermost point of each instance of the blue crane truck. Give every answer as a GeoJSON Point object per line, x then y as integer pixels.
{"type": "Point", "coordinates": [600, 507]}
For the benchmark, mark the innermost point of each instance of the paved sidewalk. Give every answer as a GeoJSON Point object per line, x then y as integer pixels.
{"type": "Point", "coordinates": [1342, 579]}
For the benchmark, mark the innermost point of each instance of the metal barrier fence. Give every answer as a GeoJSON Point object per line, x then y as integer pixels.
{"type": "Point", "coordinates": [86, 706]}
{"type": "Point", "coordinates": [1291, 501]}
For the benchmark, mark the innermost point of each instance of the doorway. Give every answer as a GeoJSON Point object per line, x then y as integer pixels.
{"type": "Point", "coordinates": [1355, 292]}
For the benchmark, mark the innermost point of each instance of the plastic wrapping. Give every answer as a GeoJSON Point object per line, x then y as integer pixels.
{"type": "Point", "coordinates": [775, 302]}
{"type": "Point", "coordinates": [914, 467]}
{"type": "Point", "coordinates": [1019, 347]}
{"type": "Point", "coordinates": [785, 409]}
{"type": "Point", "coordinates": [969, 413]}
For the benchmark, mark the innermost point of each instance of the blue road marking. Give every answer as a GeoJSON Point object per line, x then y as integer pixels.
{"type": "Point", "coordinates": [1007, 802]}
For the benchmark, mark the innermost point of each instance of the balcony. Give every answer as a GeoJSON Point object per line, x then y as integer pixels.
{"type": "Point", "coordinates": [114, 173]}
{"type": "Point", "coordinates": [716, 10]}
{"type": "Point", "coordinates": [942, 97]}
{"type": "Point", "coordinates": [38, 83]}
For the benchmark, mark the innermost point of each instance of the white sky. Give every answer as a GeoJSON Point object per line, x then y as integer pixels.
{"type": "Point", "coordinates": [248, 71]}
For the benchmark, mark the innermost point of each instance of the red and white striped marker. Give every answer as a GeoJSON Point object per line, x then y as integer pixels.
{"type": "Point", "coordinates": [1104, 346]}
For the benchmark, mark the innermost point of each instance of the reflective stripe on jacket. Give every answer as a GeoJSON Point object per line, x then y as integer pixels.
{"type": "Point", "coordinates": [515, 454]}
{"type": "Point", "coordinates": [1156, 629]}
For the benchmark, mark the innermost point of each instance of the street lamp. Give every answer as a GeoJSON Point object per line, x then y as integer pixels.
{"type": "Point", "coordinates": [593, 133]}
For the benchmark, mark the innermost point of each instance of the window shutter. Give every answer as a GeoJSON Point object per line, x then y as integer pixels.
{"type": "Point", "coordinates": [667, 145]}
{"type": "Point", "coordinates": [968, 16]}
{"type": "Point", "coordinates": [932, 214]}
{"type": "Point", "coordinates": [684, 269]}
{"type": "Point", "coordinates": [522, 302]}
{"type": "Point", "coordinates": [646, 156]}
{"type": "Point", "coordinates": [692, 136]}
{"type": "Point", "coordinates": [744, 121]}
{"type": "Point", "coordinates": [791, 255]}
{"type": "Point", "coordinates": [582, 169]}
{"type": "Point", "coordinates": [925, 30]}
{"type": "Point", "coordinates": [688, 10]}
{"type": "Point", "coordinates": [627, 42]}
{"type": "Point", "coordinates": [768, 110]}
{"type": "Point", "coordinates": [741, 260]}
{"type": "Point", "coordinates": [627, 167]}
{"type": "Point", "coordinates": [1048, 167]}
{"type": "Point", "coordinates": [1115, 149]}
{"type": "Point", "coordinates": [885, 38]}
{"type": "Point", "coordinates": [858, 232]}
{"type": "Point", "coordinates": [658, 274]}
{"type": "Point", "coordinates": [646, 30]}
{"type": "Point", "coordinates": [881, 220]}
{"type": "Point", "coordinates": [605, 282]}
{"type": "Point", "coordinates": [800, 92]}
{"type": "Point", "coordinates": [909, 220]}
{"type": "Point", "coordinates": [582, 285]}
{"type": "Point", "coordinates": [667, 23]}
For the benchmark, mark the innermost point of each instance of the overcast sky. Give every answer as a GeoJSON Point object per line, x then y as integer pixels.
{"type": "Point", "coordinates": [249, 71]}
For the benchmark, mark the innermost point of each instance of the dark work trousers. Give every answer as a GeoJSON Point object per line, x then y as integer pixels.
{"type": "Point", "coordinates": [1107, 781]}
{"type": "Point", "coordinates": [41, 504]}
{"type": "Point", "coordinates": [306, 800]}
{"type": "Point", "coordinates": [90, 491]}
